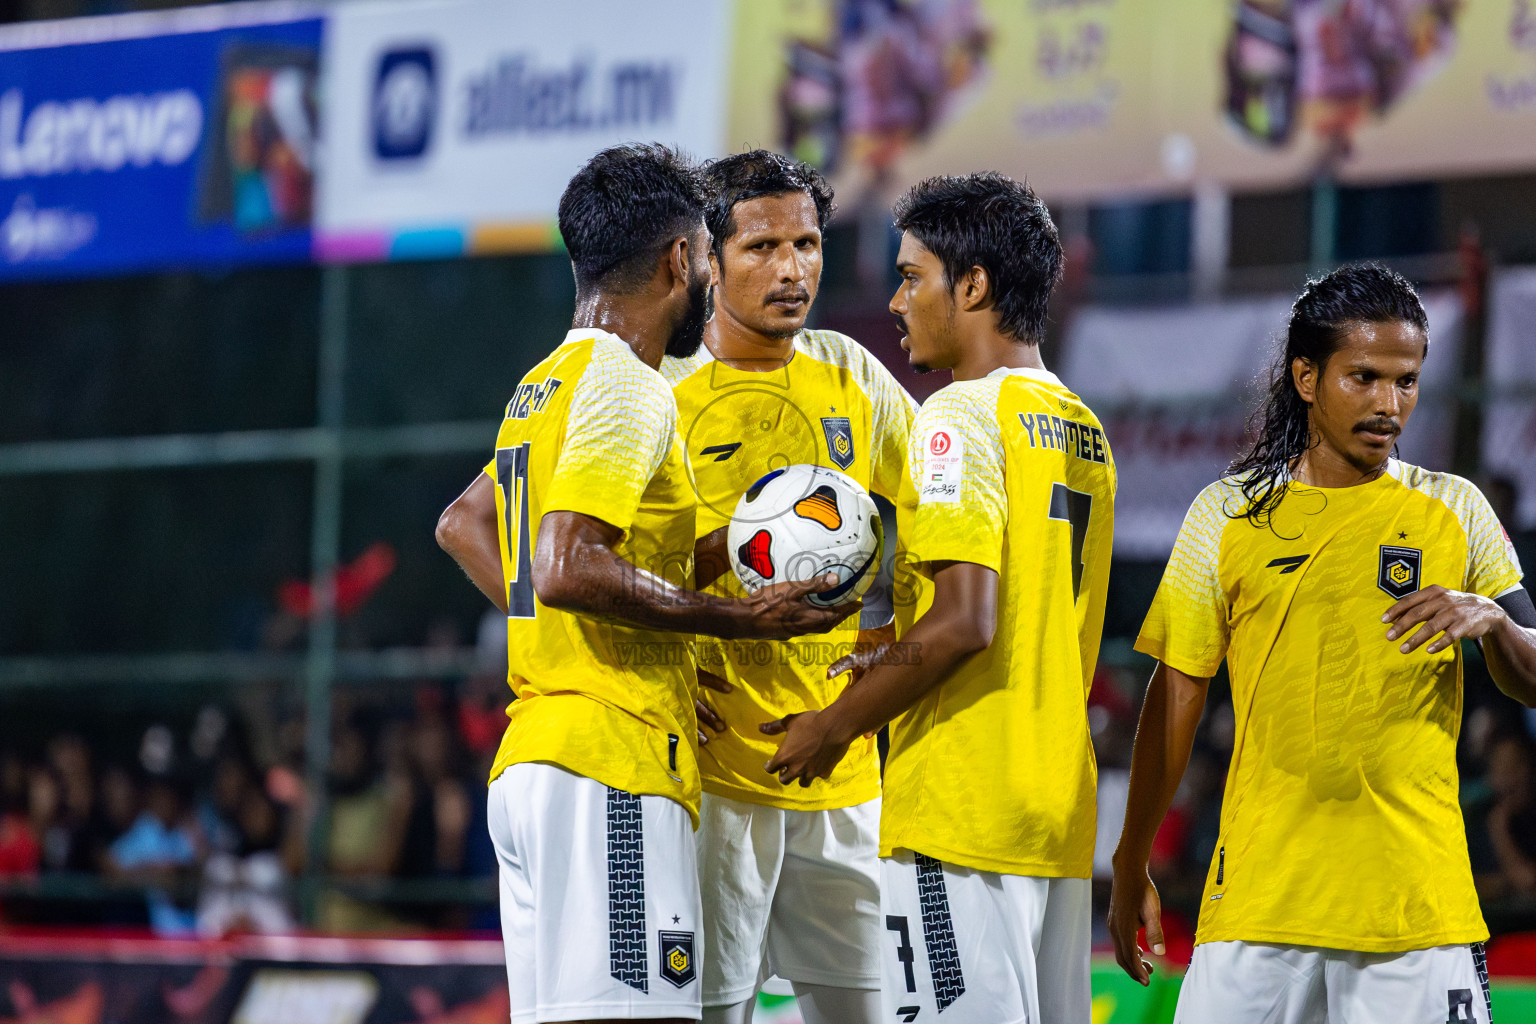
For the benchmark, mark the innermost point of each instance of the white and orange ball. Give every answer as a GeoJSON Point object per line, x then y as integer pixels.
{"type": "Point", "coordinates": [805, 521]}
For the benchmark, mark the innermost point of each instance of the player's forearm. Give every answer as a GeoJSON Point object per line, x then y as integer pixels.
{"type": "Point", "coordinates": [467, 532]}
{"type": "Point", "coordinates": [1170, 715]}
{"type": "Point", "coordinates": [710, 560]}
{"type": "Point", "coordinates": [1510, 653]}
{"type": "Point", "coordinates": [593, 580]}
{"type": "Point", "coordinates": [936, 647]}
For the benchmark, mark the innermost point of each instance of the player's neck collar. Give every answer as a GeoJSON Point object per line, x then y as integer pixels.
{"type": "Point", "coordinates": [1043, 376]}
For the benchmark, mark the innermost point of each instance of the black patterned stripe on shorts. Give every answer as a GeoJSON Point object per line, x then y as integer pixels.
{"type": "Point", "coordinates": [1480, 961]}
{"type": "Point", "coordinates": [938, 932]}
{"type": "Point", "coordinates": [626, 891]}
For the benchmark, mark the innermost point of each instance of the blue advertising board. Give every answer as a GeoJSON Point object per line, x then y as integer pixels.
{"type": "Point", "coordinates": [150, 148]}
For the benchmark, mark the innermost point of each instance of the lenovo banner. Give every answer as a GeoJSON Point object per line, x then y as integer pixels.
{"type": "Point", "coordinates": [142, 141]}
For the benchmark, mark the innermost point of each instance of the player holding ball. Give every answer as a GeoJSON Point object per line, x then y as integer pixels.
{"type": "Point", "coordinates": [789, 426]}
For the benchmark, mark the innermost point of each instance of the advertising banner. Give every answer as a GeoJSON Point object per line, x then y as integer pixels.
{"type": "Point", "coordinates": [455, 124]}
{"type": "Point", "coordinates": [1509, 427]}
{"type": "Point", "coordinates": [251, 980]}
{"type": "Point", "coordinates": [140, 141]}
{"type": "Point", "coordinates": [1174, 388]}
{"type": "Point", "coordinates": [1088, 98]}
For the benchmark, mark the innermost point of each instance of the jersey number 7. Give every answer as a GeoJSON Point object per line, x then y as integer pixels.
{"type": "Point", "coordinates": [512, 478]}
{"type": "Point", "coordinates": [1074, 507]}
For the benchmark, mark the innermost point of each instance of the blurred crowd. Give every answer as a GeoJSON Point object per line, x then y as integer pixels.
{"type": "Point", "coordinates": [204, 827]}
{"type": "Point", "coordinates": [199, 835]}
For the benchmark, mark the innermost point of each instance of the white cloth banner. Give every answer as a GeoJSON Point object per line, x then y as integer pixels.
{"type": "Point", "coordinates": [454, 125]}
{"type": "Point", "coordinates": [1174, 388]}
{"type": "Point", "coordinates": [1509, 428]}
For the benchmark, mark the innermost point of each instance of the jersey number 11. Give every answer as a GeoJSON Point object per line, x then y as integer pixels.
{"type": "Point", "coordinates": [512, 478]}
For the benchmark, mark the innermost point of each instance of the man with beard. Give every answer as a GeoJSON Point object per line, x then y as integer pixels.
{"type": "Point", "coordinates": [581, 529]}
{"type": "Point", "coordinates": [790, 878]}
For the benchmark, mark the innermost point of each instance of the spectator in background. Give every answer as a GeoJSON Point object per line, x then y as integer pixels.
{"type": "Point", "coordinates": [1510, 821]}
{"type": "Point", "coordinates": [218, 809]}
{"type": "Point", "coordinates": [159, 849]}
{"type": "Point", "coordinates": [245, 889]}
{"type": "Point", "coordinates": [440, 812]}
{"type": "Point", "coordinates": [365, 831]}
{"type": "Point", "coordinates": [45, 806]}
{"type": "Point", "coordinates": [121, 802]}
{"type": "Point", "coordinates": [160, 841]}
{"type": "Point", "coordinates": [21, 851]}
{"type": "Point", "coordinates": [79, 843]}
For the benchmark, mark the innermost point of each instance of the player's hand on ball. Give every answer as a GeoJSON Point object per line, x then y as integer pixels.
{"type": "Point", "coordinates": [1133, 905]}
{"type": "Point", "coordinates": [708, 717]}
{"type": "Point", "coordinates": [809, 752]}
{"type": "Point", "coordinates": [781, 611]}
{"type": "Point", "coordinates": [1450, 613]}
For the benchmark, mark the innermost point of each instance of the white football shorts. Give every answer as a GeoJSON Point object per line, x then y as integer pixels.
{"type": "Point", "coordinates": [982, 947]}
{"type": "Point", "coordinates": [1254, 982]}
{"type": "Point", "coordinates": [794, 894]}
{"type": "Point", "coordinates": [599, 898]}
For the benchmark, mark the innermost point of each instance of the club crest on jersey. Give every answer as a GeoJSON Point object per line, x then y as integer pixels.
{"type": "Point", "coordinates": [839, 431]}
{"type": "Point", "coordinates": [677, 957]}
{"type": "Point", "coordinates": [1398, 571]}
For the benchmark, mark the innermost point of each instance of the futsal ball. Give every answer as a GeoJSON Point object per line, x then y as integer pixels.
{"type": "Point", "coordinates": [804, 521]}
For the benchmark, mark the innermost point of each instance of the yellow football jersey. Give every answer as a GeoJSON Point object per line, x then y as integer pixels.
{"type": "Point", "coordinates": [592, 429]}
{"type": "Point", "coordinates": [833, 404]}
{"type": "Point", "coordinates": [993, 768]}
{"type": "Point", "coordinates": [1340, 825]}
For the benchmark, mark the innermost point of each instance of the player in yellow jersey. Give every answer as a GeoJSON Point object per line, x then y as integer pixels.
{"type": "Point", "coordinates": [790, 878]}
{"type": "Point", "coordinates": [1337, 583]}
{"type": "Point", "coordinates": [1006, 513]}
{"type": "Point", "coordinates": [581, 529]}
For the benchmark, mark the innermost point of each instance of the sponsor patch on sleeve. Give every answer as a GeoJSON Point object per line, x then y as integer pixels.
{"type": "Point", "coordinates": [943, 465]}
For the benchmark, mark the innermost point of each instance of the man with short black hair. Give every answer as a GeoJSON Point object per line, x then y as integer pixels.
{"type": "Point", "coordinates": [790, 879]}
{"type": "Point", "coordinates": [581, 530]}
{"type": "Point", "coordinates": [1006, 513]}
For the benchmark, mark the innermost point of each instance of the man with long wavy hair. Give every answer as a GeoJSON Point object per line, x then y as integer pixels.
{"type": "Point", "coordinates": [1337, 583]}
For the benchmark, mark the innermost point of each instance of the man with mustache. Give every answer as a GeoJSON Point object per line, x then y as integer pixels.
{"type": "Point", "coordinates": [789, 877]}
{"type": "Point", "coordinates": [1337, 583]}
{"type": "Point", "coordinates": [581, 530]}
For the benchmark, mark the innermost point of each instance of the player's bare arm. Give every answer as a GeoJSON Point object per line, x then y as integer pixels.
{"type": "Point", "coordinates": [1164, 738]}
{"type": "Point", "coordinates": [960, 623]}
{"type": "Point", "coordinates": [467, 531]}
{"type": "Point", "coordinates": [575, 568]}
{"type": "Point", "coordinates": [710, 560]}
{"type": "Point", "coordinates": [1503, 628]}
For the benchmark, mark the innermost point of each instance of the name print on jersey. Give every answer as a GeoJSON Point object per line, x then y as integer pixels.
{"type": "Point", "coordinates": [530, 398]}
{"type": "Point", "coordinates": [1083, 440]}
